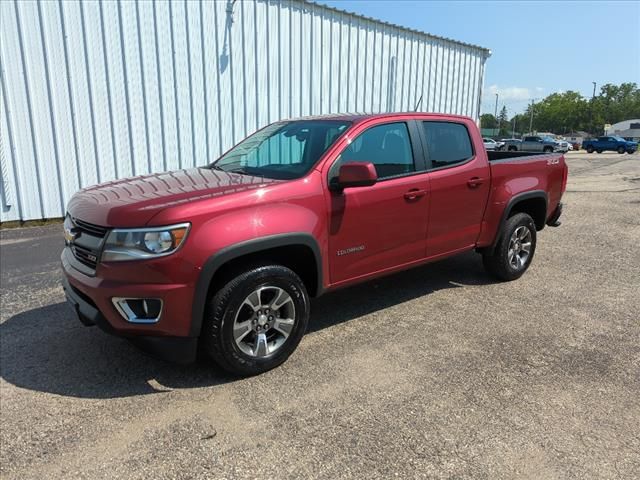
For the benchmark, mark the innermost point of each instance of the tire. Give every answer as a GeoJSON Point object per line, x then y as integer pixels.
{"type": "Point", "coordinates": [500, 263]}
{"type": "Point", "coordinates": [263, 345]}
{"type": "Point", "coordinates": [512, 149]}
{"type": "Point", "coordinates": [598, 151]}
{"type": "Point", "coordinates": [621, 150]}
{"type": "Point", "coordinates": [589, 149]}
{"type": "Point", "coordinates": [547, 150]}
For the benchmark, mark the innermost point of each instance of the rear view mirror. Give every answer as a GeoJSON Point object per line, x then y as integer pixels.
{"type": "Point", "coordinates": [355, 174]}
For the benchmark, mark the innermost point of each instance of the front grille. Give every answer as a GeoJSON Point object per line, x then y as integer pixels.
{"type": "Point", "coordinates": [91, 229]}
{"type": "Point", "coordinates": [86, 242]}
{"type": "Point", "coordinates": [85, 256]}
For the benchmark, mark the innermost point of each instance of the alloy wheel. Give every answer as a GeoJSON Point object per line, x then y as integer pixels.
{"type": "Point", "coordinates": [519, 247]}
{"type": "Point", "coordinates": [264, 321]}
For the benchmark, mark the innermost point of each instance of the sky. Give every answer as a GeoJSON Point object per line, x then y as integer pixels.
{"type": "Point", "coordinates": [538, 47]}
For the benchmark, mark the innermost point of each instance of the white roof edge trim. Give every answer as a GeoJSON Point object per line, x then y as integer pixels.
{"type": "Point", "coordinates": [487, 52]}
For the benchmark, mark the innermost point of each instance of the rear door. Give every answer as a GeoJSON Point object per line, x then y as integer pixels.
{"type": "Point", "coordinates": [604, 143]}
{"type": "Point", "coordinates": [532, 144]}
{"type": "Point", "coordinates": [382, 226]}
{"type": "Point", "coordinates": [459, 179]}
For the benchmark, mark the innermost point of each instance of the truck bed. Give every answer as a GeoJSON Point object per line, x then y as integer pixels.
{"type": "Point", "coordinates": [494, 156]}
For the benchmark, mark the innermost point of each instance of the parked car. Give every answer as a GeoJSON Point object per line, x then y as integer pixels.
{"type": "Point", "coordinates": [491, 144]}
{"type": "Point", "coordinates": [226, 256]}
{"type": "Point", "coordinates": [533, 144]}
{"type": "Point", "coordinates": [609, 143]}
{"type": "Point", "coordinates": [563, 145]}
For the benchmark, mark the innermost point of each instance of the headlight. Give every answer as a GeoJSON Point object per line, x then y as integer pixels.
{"type": "Point", "coordinates": [143, 243]}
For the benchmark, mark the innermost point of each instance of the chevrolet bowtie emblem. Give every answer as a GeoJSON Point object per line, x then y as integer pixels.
{"type": "Point", "coordinates": [70, 234]}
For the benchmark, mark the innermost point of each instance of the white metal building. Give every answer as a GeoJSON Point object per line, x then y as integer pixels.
{"type": "Point", "coordinates": [629, 129]}
{"type": "Point", "coordinates": [93, 91]}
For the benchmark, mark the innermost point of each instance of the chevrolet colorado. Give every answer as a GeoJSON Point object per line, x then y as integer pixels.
{"type": "Point", "coordinates": [223, 258]}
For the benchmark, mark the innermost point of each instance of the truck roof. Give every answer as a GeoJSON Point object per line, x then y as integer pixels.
{"type": "Point", "coordinates": [359, 116]}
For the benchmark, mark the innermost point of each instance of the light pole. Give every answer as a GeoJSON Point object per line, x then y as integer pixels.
{"type": "Point", "coordinates": [591, 109]}
{"type": "Point", "coordinates": [531, 119]}
{"type": "Point", "coordinates": [495, 115]}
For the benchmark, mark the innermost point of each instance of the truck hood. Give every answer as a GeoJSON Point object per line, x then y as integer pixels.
{"type": "Point", "coordinates": [132, 202]}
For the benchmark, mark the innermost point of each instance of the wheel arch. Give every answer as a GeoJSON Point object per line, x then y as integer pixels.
{"type": "Point", "coordinates": [533, 203]}
{"type": "Point", "coordinates": [250, 251]}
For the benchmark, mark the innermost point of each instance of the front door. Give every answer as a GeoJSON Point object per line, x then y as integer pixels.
{"type": "Point", "coordinates": [381, 226]}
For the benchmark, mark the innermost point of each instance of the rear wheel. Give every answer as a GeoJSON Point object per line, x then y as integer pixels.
{"type": "Point", "coordinates": [512, 149]}
{"type": "Point", "coordinates": [256, 321]}
{"type": "Point", "coordinates": [598, 151]}
{"type": "Point", "coordinates": [589, 149]}
{"type": "Point", "coordinates": [515, 248]}
{"type": "Point", "coordinates": [621, 150]}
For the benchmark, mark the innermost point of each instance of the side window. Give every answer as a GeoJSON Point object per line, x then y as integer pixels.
{"type": "Point", "coordinates": [387, 146]}
{"type": "Point", "coordinates": [447, 143]}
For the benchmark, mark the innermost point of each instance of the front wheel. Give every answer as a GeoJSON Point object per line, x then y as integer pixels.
{"type": "Point", "coordinates": [256, 321]}
{"type": "Point", "coordinates": [515, 248]}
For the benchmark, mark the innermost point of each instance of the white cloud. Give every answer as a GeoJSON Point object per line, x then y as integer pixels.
{"type": "Point", "coordinates": [514, 98]}
{"type": "Point", "coordinates": [510, 93]}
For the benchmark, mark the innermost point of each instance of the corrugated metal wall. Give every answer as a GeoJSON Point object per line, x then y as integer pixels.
{"type": "Point", "coordinates": [93, 91]}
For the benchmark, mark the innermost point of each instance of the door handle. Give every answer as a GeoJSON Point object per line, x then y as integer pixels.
{"type": "Point", "coordinates": [414, 194]}
{"type": "Point", "coordinates": [475, 182]}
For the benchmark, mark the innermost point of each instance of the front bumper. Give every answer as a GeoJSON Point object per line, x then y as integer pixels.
{"type": "Point", "coordinates": [91, 299]}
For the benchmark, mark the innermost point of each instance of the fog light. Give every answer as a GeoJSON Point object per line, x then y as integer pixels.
{"type": "Point", "coordinates": [139, 310]}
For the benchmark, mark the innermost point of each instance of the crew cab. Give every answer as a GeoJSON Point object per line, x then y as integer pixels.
{"type": "Point", "coordinates": [224, 258]}
{"type": "Point", "coordinates": [533, 143]}
{"type": "Point", "coordinates": [610, 143]}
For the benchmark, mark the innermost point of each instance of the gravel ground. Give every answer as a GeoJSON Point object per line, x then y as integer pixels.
{"type": "Point", "coordinates": [434, 373]}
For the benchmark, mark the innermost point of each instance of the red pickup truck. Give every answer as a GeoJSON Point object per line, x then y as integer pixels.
{"type": "Point", "coordinates": [224, 258]}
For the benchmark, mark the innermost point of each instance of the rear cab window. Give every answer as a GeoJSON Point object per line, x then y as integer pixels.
{"type": "Point", "coordinates": [447, 143]}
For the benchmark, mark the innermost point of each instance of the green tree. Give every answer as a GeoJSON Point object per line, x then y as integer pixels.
{"type": "Point", "coordinates": [487, 120]}
{"type": "Point", "coordinates": [569, 111]}
{"type": "Point", "coordinates": [503, 122]}
{"type": "Point", "coordinates": [615, 103]}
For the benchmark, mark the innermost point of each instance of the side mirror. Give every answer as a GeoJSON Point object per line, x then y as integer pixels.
{"type": "Point", "coordinates": [355, 174]}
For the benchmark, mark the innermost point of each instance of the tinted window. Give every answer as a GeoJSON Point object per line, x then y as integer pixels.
{"type": "Point", "coordinates": [531, 139]}
{"type": "Point", "coordinates": [386, 146]}
{"type": "Point", "coordinates": [447, 143]}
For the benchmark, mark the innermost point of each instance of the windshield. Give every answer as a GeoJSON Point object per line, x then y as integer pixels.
{"type": "Point", "coordinates": [283, 150]}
